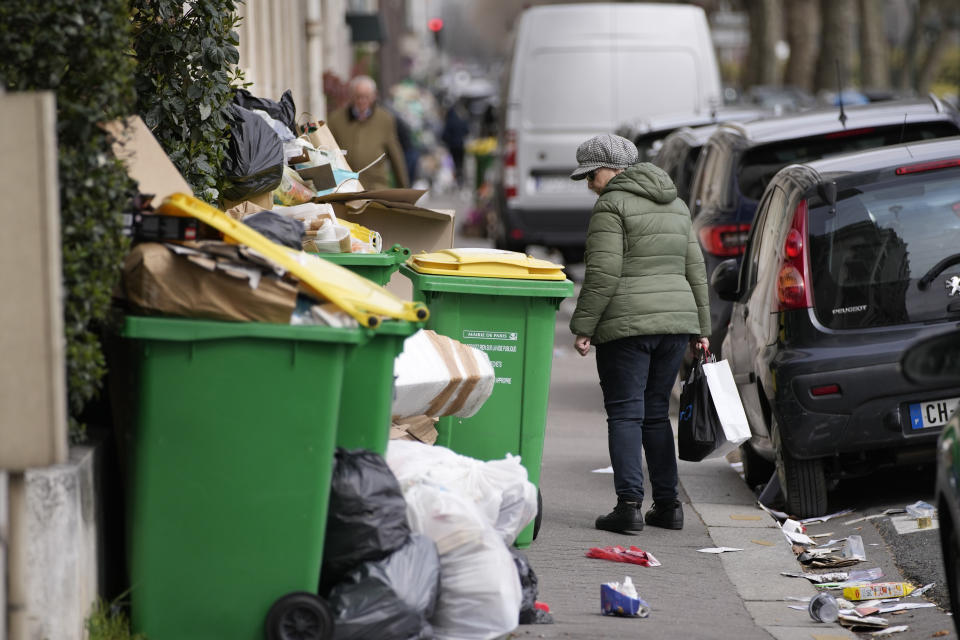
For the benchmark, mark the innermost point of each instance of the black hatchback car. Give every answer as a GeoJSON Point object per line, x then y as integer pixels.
{"type": "Point", "coordinates": [739, 160]}
{"type": "Point", "coordinates": [850, 260]}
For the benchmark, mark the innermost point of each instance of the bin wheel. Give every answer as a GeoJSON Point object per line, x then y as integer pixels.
{"type": "Point", "coordinates": [300, 616]}
{"type": "Point", "coordinates": [539, 518]}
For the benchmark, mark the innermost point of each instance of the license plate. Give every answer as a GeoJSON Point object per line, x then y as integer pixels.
{"type": "Point", "coordinates": [936, 413]}
{"type": "Point", "coordinates": [559, 184]}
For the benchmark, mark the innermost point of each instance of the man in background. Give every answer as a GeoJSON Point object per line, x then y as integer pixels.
{"type": "Point", "coordinates": [365, 130]}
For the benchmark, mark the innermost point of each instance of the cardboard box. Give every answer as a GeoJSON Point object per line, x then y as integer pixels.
{"type": "Point", "coordinates": [262, 200]}
{"type": "Point", "coordinates": [393, 213]}
{"type": "Point", "coordinates": [417, 428]}
{"type": "Point", "coordinates": [145, 159]}
{"type": "Point", "coordinates": [439, 376]}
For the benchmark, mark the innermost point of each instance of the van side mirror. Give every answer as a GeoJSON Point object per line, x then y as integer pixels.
{"type": "Point", "coordinates": [933, 361]}
{"type": "Point", "coordinates": [725, 280]}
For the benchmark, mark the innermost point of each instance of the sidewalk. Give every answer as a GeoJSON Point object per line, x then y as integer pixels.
{"type": "Point", "coordinates": [693, 595]}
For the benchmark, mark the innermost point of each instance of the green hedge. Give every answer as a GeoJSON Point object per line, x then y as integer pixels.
{"type": "Point", "coordinates": [168, 60]}
{"type": "Point", "coordinates": [80, 50]}
{"type": "Point", "coordinates": [185, 82]}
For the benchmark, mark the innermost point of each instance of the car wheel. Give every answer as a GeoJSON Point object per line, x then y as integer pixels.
{"type": "Point", "coordinates": [803, 482]}
{"type": "Point", "coordinates": [950, 544]}
{"type": "Point", "coordinates": [756, 469]}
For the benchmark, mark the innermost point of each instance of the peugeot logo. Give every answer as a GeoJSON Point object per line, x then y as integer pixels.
{"type": "Point", "coordinates": [953, 285]}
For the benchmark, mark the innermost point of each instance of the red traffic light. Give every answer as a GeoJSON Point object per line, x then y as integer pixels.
{"type": "Point", "coordinates": [434, 24]}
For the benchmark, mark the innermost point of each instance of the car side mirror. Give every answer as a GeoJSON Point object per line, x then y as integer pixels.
{"type": "Point", "coordinates": [934, 360]}
{"type": "Point", "coordinates": [725, 280]}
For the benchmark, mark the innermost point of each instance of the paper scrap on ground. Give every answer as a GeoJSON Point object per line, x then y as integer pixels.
{"type": "Point", "coordinates": [763, 543]}
{"type": "Point", "coordinates": [864, 624]}
{"type": "Point", "coordinates": [718, 549]}
{"type": "Point", "coordinates": [740, 516]}
{"type": "Point", "coordinates": [922, 590]}
{"type": "Point", "coordinates": [907, 524]}
{"type": "Point", "coordinates": [737, 466]}
{"type": "Point", "coordinates": [793, 530]}
{"type": "Point", "coordinates": [799, 607]}
{"type": "Point", "coordinates": [821, 535]}
{"type": "Point", "coordinates": [885, 512]}
{"type": "Point", "coordinates": [890, 630]}
{"type": "Point", "coordinates": [817, 519]}
{"type": "Point", "coordinates": [604, 470]}
{"type": "Point", "coordinates": [818, 578]}
{"type": "Point", "coordinates": [904, 606]}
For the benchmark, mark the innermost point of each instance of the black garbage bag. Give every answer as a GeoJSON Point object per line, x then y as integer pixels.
{"type": "Point", "coordinates": [367, 518]}
{"type": "Point", "coordinates": [254, 160]}
{"type": "Point", "coordinates": [280, 229]}
{"type": "Point", "coordinates": [390, 598]}
{"type": "Point", "coordinates": [285, 111]}
{"type": "Point", "coordinates": [529, 614]}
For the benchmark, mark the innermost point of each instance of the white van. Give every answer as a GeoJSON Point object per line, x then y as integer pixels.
{"type": "Point", "coordinates": [579, 70]}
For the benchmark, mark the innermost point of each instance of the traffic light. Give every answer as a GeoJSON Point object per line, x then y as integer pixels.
{"type": "Point", "coordinates": [435, 25]}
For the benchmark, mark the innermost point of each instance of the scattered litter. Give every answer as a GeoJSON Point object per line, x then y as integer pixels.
{"type": "Point", "coordinates": [906, 606]}
{"type": "Point", "coordinates": [890, 630]}
{"type": "Point", "coordinates": [885, 512]}
{"type": "Point", "coordinates": [941, 633]}
{"type": "Point", "coordinates": [821, 535]}
{"type": "Point", "coordinates": [817, 519]}
{"type": "Point", "coordinates": [798, 607]}
{"type": "Point", "coordinates": [850, 553]}
{"type": "Point", "coordinates": [818, 578]}
{"type": "Point", "coordinates": [907, 524]}
{"type": "Point", "coordinates": [793, 531]}
{"type": "Point", "coordinates": [604, 470]}
{"type": "Point", "coordinates": [621, 599]}
{"type": "Point", "coordinates": [763, 543]}
{"type": "Point", "coordinates": [869, 623]}
{"type": "Point", "coordinates": [738, 516]}
{"type": "Point", "coordinates": [779, 515]}
{"type": "Point", "coordinates": [737, 466]}
{"type": "Point", "coordinates": [823, 608]}
{"type": "Point", "coordinates": [920, 509]}
{"type": "Point", "coordinates": [718, 549]}
{"type": "Point", "coordinates": [633, 555]}
{"type": "Point", "coordinates": [922, 590]}
{"type": "Point", "coordinates": [878, 590]}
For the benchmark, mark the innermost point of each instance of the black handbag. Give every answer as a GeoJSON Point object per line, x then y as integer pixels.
{"type": "Point", "coordinates": [699, 431]}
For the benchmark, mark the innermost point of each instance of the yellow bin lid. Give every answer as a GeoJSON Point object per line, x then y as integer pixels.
{"type": "Point", "coordinates": [486, 263]}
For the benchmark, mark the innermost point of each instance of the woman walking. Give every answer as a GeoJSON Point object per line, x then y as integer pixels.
{"type": "Point", "coordinates": [642, 303]}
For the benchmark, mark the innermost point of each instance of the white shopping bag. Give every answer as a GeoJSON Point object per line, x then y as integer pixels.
{"type": "Point", "coordinates": [726, 400]}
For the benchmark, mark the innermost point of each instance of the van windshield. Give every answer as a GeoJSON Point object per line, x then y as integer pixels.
{"type": "Point", "coordinates": [612, 86]}
{"type": "Point", "coordinates": [866, 258]}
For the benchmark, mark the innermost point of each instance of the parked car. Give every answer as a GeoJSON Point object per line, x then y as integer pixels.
{"type": "Point", "coordinates": [850, 260]}
{"type": "Point", "coordinates": [678, 156]}
{"type": "Point", "coordinates": [649, 133]}
{"type": "Point", "coordinates": [578, 70]}
{"type": "Point", "coordinates": [739, 159]}
{"type": "Point", "coordinates": [934, 362]}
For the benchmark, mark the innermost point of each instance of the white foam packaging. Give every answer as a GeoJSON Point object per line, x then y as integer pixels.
{"type": "Point", "coordinates": [439, 376]}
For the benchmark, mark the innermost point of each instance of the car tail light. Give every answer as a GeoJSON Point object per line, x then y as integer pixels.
{"type": "Point", "coordinates": [825, 390]}
{"type": "Point", "coordinates": [927, 166]}
{"type": "Point", "coordinates": [725, 240]}
{"type": "Point", "coordinates": [516, 234]}
{"type": "Point", "coordinates": [510, 165]}
{"type": "Point", "coordinates": [793, 286]}
{"type": "Point", "coordinates": [849, 133]}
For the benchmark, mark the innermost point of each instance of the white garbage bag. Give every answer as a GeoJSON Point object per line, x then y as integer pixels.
{"type": "Point", "coordinates": [499, 488]}
{"type": "Point", "coordinates": [480, 593]}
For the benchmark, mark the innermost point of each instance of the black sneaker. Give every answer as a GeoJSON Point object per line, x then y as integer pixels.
{"type": "Point", "coordinates": [667, 516]}
{"type": "Point", "coordinates": [624, 517]}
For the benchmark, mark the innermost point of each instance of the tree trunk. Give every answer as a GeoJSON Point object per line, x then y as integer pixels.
{"type": "Point", "coordinates": [837, 44]}
{"type": "Point", "coordinates": [932, 58]}
{"type": "Point", "coordinates": [803, 34]}
{"type": "Point", "coordinates": [907, 73]}
{"type": "Point", "coordinates": [874, 64]}
{"type": "Point", "coordinates": [765, 19]}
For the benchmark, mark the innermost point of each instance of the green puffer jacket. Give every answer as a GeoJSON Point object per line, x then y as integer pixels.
{"type": "Point", "coordinates": [645, 272]}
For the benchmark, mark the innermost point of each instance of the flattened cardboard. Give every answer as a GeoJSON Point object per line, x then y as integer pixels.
{"type": "Point", "coordinates": [321, 176]}
{"type": "Point", "coordinates": [157, 280]}
{"type": "Point", "coordinates": [407, 196]}
{"type": "Point", "coordinates": [145, 159]}
{"type": "Point", "coordinates": [263, 200]}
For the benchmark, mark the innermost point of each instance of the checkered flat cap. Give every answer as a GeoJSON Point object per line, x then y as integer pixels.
{"type": "Point", "coordinates": [608, 150]}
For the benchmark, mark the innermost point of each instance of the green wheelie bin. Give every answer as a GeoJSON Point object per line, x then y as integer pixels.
{"type": "Point", "coordinates": [232, 438]}
{"type": "Point", "coordinates": [504, 303]}
{"type": "Point", "coordinates": [367, 397]}
{"type": "Point", "coordinates": [377, 267]}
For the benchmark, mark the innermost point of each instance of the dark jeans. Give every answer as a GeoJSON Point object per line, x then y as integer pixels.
{"type": "Point", "coordinates": [636, 376]}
